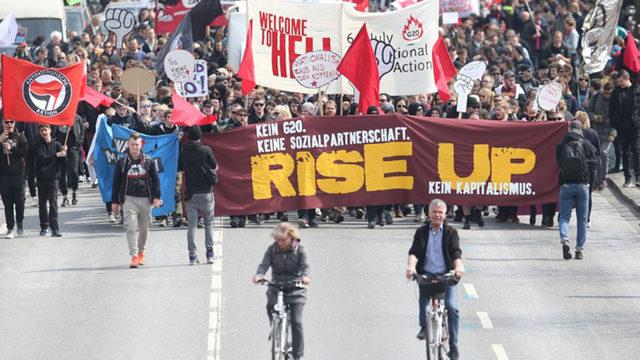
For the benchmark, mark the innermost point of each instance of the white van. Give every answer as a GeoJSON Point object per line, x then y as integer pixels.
{"type": "Point", "coordinates": [40, 17]}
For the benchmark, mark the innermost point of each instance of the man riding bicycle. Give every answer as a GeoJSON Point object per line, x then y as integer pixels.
{"type": "Point", "coordinates": [288, 262]}
{"type": "Point", "coordinates": [436, 250]}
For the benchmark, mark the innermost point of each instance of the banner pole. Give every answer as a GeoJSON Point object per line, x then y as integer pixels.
{"type": "Point", "coordinates": [320, 102]}
{"type": "Point", "coordinates": [459, 115]}
{"type": "Point", "coordinates": [340, 105]}
{"type": "Point", "coordinates": [66, 137]}
{"type": "Point", "coordinates": [138, 96]}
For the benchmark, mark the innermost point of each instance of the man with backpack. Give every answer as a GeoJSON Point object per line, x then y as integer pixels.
{"type": "Point", "coordinates": [575, 157]}
{"type": "Point", "coordinates": [199, 165]}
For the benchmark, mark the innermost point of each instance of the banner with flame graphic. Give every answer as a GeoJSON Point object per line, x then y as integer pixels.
{"type": "Point", "coordinates": [401, 40]}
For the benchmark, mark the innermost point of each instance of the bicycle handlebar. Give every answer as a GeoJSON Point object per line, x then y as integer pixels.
{"type": "Point", "coordinates": [284, 285]}
{"type": "Point", "coordinates": [433, 279]}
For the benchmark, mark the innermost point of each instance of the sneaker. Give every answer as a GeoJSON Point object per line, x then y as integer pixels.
{"type": "Point", "coordinates": [20, 230]}
{"type": "Point", "coordinates": [65, 202]}
{"type": "Point", "coordinates": [637, 182]}
{"type": "Point", "coordinates": [140, 258]}
{"type": "Point", "coordinates": [10, 235]}
{"type": "Point", "coordinates": [200, 224]}
{"type": "Point", "coordinates": [284, 217]}
{"type": "Point", "coordinates": [112, 218]}
{"type": "Point", "coordinates": [177, 222]}
{"type": "Point", "coordinates": [44, 232]}
{"type": "Point", "coordinates": [209, 259]}
{"type": "Point", "coordinates": [74, 199]}
{"type": "Point", "coordinates": [467, 225]}
{"type": "Point", "coordinates": [371, 225]}
{"type": "Point", "coordinates": [242, 222]}
{"type": "Point", "coordinates": [134, 262]}
{"type": "Point", "coordinates": [381, 221]}
{"type": "Point", "coordinates": [566, 251]}
{"type": "Point", "coordinates": [578, 254]}
{"type": "Point", "coordinates": [94, 185]}
{"type": "Point", "coordinates": [162, 223]}
{"type": "Point", "coordinates": [56, 233]}
{"type": "Point", "coordinates": [193, 260]}
{"type": "Point", "coordinates": [419, 218]}
{"type": "Point", "coordinates": [302, 224]}
{"type": "Point", "coordinates": [627, 183]}
{"type": "Point", "coordinates": [359, 213]}
{"type": "Point", "coordinates": [422, 334]}
{"type": "Point", "coordinates": [387, 217]}
{"type": "Point", "coordinates": [313, 224]}
{"type": "Point", "coordinates": [589, 225]}
{"type": "Point", "coordinates": [234, 223]}
{"type": "Point", "coordinates": [256, 220]}
{"type": "Point", "coordinates": [81, 178]}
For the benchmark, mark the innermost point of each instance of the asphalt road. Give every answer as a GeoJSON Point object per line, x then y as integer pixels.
{"type": "Point", "coordinates": [75, 298]}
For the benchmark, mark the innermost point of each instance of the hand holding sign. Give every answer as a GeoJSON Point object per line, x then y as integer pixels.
{"type": "Point", "coordinates": [119, 21]}
{"type": "Point", "coordinates": [463, 87]}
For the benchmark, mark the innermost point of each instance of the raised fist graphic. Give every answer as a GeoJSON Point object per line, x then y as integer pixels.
{"type": "Point", "coordinates": [385, 56]}
{"type": "Point", "coordinates": [119, 21]}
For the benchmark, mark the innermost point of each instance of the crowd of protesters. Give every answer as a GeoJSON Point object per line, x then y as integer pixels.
{"type": "Point", "coordinates": [524, 44]}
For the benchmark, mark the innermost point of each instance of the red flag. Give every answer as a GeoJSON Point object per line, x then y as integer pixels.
{"type": "Point", "coordinates": [361, 5]}
{"type": "Point", "coordinates": [359, 65]}
{"type": "Point", "coordinates": [96, 98]}
{"type": "Point", "coordinates": [246, 71]}
{"type": "Point", "coordinates": [184, 114]}
{"type": "Point", "coordinates": [443, 68]}
{"type": "Point", "coordinates": [32, 93]}
{"type": "Point", "coordinates": [631, 54]}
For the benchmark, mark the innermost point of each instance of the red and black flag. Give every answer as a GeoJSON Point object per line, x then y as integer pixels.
{"type": "Point", "coordinates": [33, 93]}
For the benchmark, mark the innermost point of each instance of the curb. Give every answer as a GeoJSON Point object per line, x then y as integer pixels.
{"type": "Point", "coordinates": [611, 184]}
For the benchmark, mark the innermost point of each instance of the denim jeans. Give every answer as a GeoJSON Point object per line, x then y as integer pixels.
{"type": "Point", "coordinates": [570, 194]}
{"type": "Point", "coordinates": [451, 303]}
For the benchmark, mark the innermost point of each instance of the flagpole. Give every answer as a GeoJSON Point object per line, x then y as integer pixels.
{"type": "Point", "coordinates": [340, 104]}
{"type": "Point", "coordinates": [66, 137]}
{"type": "Point", "coordinates": [320, 101]}
{"type": "Point", "coordinates": [138, 96]}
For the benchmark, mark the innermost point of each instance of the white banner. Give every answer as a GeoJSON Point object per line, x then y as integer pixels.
{"type": "Point", "coordinates": [402, 41]}
{"type": "Point", "coordinates": [464, 8]}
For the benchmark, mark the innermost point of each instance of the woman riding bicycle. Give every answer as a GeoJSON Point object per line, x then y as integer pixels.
{"type": "Point", "coordinates": [288, 262]}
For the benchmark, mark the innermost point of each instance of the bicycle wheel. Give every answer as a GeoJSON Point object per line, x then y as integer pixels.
{"type": "Point", "coordinates": [430, 338]}
{"type": "Point", "coordinates": [444, 338]}
{"type": "Point", "coordinates": [276, 336]}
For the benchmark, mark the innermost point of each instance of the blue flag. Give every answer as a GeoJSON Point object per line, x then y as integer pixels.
{"type": "Point", "coordinates": [111, 144]}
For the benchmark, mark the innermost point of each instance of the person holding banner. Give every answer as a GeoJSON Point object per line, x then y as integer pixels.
{"type": "Point", "coordinates": [47, 161]}
{"type": "Point", "coordinates": [136, 187]}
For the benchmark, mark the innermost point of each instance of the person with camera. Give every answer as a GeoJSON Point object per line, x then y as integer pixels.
{"type": "Point", "coordinates": [12, 170]}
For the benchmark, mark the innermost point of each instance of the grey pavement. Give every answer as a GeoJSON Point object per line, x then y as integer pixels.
{"type": "Point", "coordinates": [75, 298]}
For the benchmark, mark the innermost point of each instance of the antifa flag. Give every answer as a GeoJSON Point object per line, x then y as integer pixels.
{"type": "Point", "coordinates": [598, 32]}
{"type": "Point", "coordinates": [32, 93]}
{"type": "Point", "coordinates": [191, 29]}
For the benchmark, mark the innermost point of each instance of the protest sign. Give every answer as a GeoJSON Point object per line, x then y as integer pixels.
{"type": "Point", "coordinates": [316, 69]}
{"type": "Point", "coordinates": [179, 65]}
{"type": "Point", "coordinates": [322, 162]}
{"type": "Point", "coordinates": [197, 85]}
{"type": "Point", "coordinates": [549, 96]}
{"type": "Point", "coordinates": [138, 81]}
{"type": "Point", "coordinates": [402, 41]}
{"type": "Point", "coordinates": [449, 18]}
{"type": "Point", "coordinates": [464, 82]}
{"type": "Point", "coordinates": [120, 22]}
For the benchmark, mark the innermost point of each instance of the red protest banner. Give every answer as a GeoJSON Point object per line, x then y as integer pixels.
{"type": "Point", "coordinates": [321, 162]}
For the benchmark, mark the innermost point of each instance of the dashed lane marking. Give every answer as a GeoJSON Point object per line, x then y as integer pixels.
{"type": "Point", "coordinates": [501, 354]}
{"type": "Point", "coordinates": [215, 296]}
{"type": "Point", "coordinates": [471, 291]}
{"type": "Point", "coordinates": [485, 320]}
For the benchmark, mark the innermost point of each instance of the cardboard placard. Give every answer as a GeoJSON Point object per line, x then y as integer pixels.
{"type": "Point", "coordinates": [138, 81]}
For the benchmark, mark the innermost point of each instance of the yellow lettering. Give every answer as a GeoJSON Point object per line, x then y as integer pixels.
{"type": "Point", "coordinates": [271, 168]}
{"type": "Point", "coordinates": [375, 166]}
{"type": "Point", "coordinates": [446, 165]}
{"type": "Point", "coordinates": [502, 166]}
{"type": "Point", "coordinates": [344, 175]}
{"type": "Point", "coordinates": [306, 173]}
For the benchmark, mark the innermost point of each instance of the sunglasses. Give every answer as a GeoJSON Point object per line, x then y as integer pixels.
{"type": "Point", "coordinates": [585, 80]}
{"type": "Point", "coordinates": [496, 74]}
{"type": "Point", "coordinates": [258, 105]}
{"type": "Point", "coordinates": [555, 118]}
{"type": "Point", "coordinates": [9, 122]}
{"type": "Point", "coordinates": [401, 106]}
{"type": "Point", "coordinates": [276, 113]}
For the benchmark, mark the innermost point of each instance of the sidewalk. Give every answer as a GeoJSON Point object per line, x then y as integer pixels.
{"type": "Point", "coordinates": [631, 195]}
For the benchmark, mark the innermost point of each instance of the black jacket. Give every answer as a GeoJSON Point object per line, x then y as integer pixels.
{"type": "Point", "coordinates": [590, 158]}
{"type": "Point", "coordinates": [622, 110]}
{"type": "Point", "coordinates": [450, 246]}
{"type": "Point", "coordinates": [14, 164]}
{"type": "Point", "coordinates": [76, 137]}
{"type": "Point", "coordinates": [120, 178]}
{"type": "Point", "coordinates": [46, 164]}
{"type": "Point", "coordinates": [195, 160]}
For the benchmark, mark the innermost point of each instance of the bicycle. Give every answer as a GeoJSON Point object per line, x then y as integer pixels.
{"type": "Point", "coordinates": [281, 347]}
{"type": "Point", "coordinates": [437, 330]}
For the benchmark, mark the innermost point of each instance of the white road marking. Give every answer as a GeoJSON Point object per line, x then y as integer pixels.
{"type": "Point", "coordinates": [499, 351]}
{"type": "Point", "coordinates": [485, 320]}
{"type": "Point", "coordinates": [471, 291]}
{"type": "Point", "coordinates": [215, 296]}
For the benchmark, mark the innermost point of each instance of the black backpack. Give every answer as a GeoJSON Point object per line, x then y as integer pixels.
{"type": "Point", "coordinates": [572, 160]}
